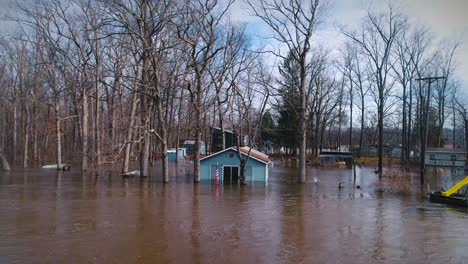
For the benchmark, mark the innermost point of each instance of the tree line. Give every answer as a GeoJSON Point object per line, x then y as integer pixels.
{"type": "Point", "coordinates": [108, 81]}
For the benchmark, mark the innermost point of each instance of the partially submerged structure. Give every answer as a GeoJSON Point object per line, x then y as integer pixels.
{"type": "Point", "coordinates": [456, 161]}
{"type": "Point", "coordinates": [176, 154]}
{"type": "Point", "coordinates": [456, 195]}
{"type": "Point", "coordinates": [189, 146]}
{"type": "Point", "coordinates": [226, 164]}
{"type": "Point", "coordinates": [442, 157]}
{"type": "Point", "coordinates": [330, 158]}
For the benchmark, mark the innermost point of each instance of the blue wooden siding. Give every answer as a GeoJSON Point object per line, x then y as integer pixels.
{"type": "Point", "coordinates": [255, 170]}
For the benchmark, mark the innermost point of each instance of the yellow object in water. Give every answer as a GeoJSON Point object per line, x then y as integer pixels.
{"type": "Point", "coordinates": [457, 187]}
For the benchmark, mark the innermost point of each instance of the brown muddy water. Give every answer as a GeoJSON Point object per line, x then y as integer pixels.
{"type": "Point", "coordinates": [68, 217]}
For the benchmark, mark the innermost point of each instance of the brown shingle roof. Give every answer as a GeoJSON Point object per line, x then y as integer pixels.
{"type": "Point", "coordinates": [255, 154]}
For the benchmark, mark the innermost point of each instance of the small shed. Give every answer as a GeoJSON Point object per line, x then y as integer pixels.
{"type": "Point", "coordinates": [227, 163]}
{"type": "Point", "coordinates": [189, 146]}
{"type": "Point", "coordinates": [440, 157]}
{"type": "Point", "coordinates": [173, 153]}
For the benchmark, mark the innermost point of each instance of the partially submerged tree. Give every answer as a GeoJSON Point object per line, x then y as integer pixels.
{"type": "Point", "coordinates": [293, 23]}
{"type": "Point", "coordinates": [375, 39]}
{"type": "Point", "coordinates": [198, 30]}
{"type": "Point", "coordinates": [246, 119]}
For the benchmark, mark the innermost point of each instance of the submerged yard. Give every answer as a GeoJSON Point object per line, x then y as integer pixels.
{"type": "Point", "coordinates": [49, 216]}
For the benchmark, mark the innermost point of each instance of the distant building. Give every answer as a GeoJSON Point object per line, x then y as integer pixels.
{"type": "Point", "coordinates": [442, 157]}
{"type": "Point", "coordinates": [369, 152]}
{"type": "Point", "coordinates": [217, 139]}
{"type": "Point", "coordinates": [227, 163]}
{"type": "Point", "coordinates": [388, 151]}
{"type": "Point", "coordinates": [189, 146]}
{"type": "Point", "coordinates": [329, 158]}
{"type": "Point", "coordinates": [173, 153]}
{"type": "Point", "coordinates": [395, 152]}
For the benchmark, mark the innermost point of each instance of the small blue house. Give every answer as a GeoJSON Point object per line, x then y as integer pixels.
{"type": "Point", "coordinates": [228, 165]}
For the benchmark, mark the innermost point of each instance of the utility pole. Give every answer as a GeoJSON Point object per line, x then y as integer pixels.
{"type": "Point", "coordinates": [425, 126]}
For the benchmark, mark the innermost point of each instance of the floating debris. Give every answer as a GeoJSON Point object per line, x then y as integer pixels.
{"type": "Point", "coordinates": [131, 173]}
{"type": "Point", "coordinates": [55, 166]}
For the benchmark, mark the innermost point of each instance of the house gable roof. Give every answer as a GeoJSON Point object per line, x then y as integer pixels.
{"type": "Point", "coordinates": [254, 154]}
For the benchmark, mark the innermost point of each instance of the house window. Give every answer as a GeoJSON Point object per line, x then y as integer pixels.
{"type": "Point", "coordinates": [432, 156]}
{"type": "Point", "coordinates": [453, 157]}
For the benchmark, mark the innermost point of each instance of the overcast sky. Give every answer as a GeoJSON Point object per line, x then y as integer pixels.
{"type": "Point", "coordinates": [446, 18]}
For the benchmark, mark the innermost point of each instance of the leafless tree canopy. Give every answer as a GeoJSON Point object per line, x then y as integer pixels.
{"type": "Point", "coordinates": [96, 82]}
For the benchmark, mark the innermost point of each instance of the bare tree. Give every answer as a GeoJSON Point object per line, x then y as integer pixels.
{"type": "Point", "coordinates": [409, 49]}
{"type": "Point", "coordinates": [198, 30]}
{"type": "Point", "coordinates": [245, 119]}
{"type": "Point", "coordinates": [293, 23]}
{"type": "Point", "coordinates": [147, 24]}
{"type": "Point", "coordinates": [445, 58]}
{"type": "Point", "coordinates": [375, 39]}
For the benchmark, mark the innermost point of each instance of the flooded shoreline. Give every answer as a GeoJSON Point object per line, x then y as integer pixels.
{"type": "Point", "coordinates": [58, 217]}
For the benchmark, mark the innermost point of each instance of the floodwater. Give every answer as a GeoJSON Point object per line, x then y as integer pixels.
{"type": "Point", "coordinates": [68, 217]}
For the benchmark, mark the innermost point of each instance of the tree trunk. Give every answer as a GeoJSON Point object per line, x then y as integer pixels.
{"type": "Point", "coordinates": [57, 134]}
{"type": "Point", "coordinates": [145, 151]}
{"type": "Point", "coordinates": [380, 128]}
{"type": "Point", "coordinates": [163, 122]}
{"type": "Point", "coordinates": [198, 128]}
{"type": "Point", "coordinates": [35, 147]}
{"type": "Point", "coordinates": [454, 116]}
{"type": "Point", "coordinates": [425, 131]}
{"type": "Point", "coordinates": [221, 123]}
{"type": "Point", "coordinates": [84, 132]}
{"type": "Point", "coordinates": [196, 163]}
{"type": "Point", "coordinates": [339, 115]}
{"type": "Point", "coordinates": [26, 137]}
{"type": "Point", "coordinates": [34, 133]}
{"type": "Point", "coordinates": [303, 142]}
{"type": "Point", "coordinates": [128, 141]}
{"type": "Point", "coordinates": [303, 119]}
{"type": "Point", "coordinates": [243, 165]}
{"type": "Point", "coordinates": [97, 138]}
{"type": "Point", "coordinates": [3, 159]}
{"type": "Point", "coordinates": [361, 133]}
{"type": "Point", "coordinates": [15, 131]}
{"type": "Point", "coordinates": [466, 132]}
{"type": "Point", "coordinates": [409, 129]}
{"type": "Point", "coordinates": [165, 161]}
{"type": "Point", "coordinates": [404, 141]}
{"type": "Point", "coordinates": [351, 148]}
{"type": "Point", "coordinates": [178, 124]}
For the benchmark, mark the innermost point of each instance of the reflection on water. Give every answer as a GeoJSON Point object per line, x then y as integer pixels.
{"type": "Point", "coordinates": [68, 217]}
